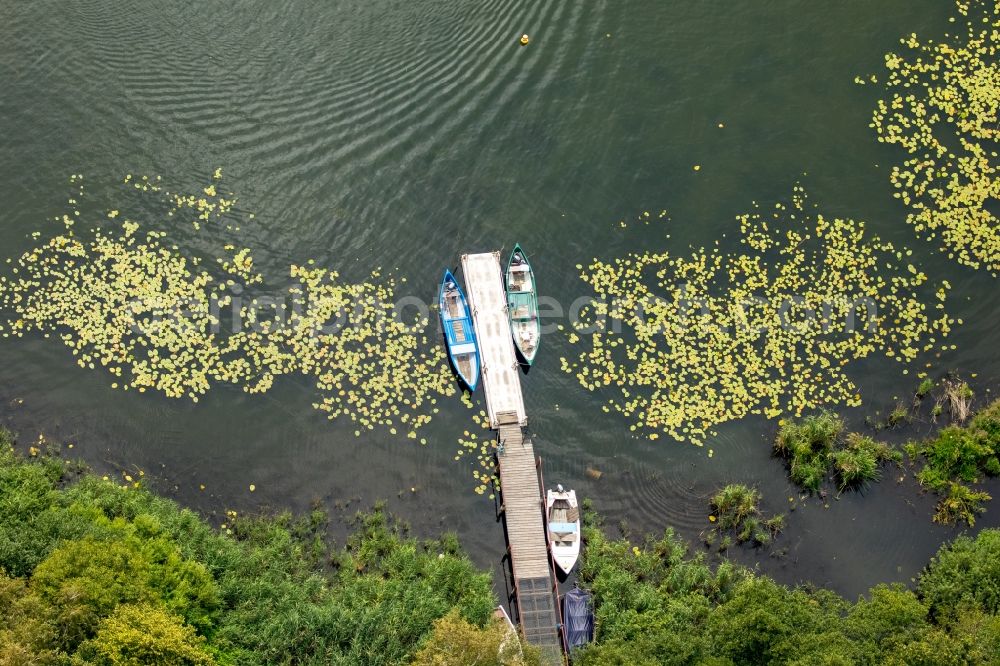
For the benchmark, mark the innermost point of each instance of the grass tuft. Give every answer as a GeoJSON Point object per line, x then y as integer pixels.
{"type": "Point", "coordinates": [736, 509]}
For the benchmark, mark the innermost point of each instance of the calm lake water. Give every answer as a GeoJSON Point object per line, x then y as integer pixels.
{"type": "Point", "coordinates": [402, 134]}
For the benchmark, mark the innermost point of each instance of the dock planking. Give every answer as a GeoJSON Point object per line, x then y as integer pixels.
{"type": "Point", "coordinates": [521, 494]}
{"type": "Point", "coordinates": [488, 303]}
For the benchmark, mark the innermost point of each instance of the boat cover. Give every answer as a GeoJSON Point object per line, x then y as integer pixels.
{"type": "Point", "coordinates": [578, 618]}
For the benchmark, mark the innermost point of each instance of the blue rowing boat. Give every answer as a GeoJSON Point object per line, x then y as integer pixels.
{"type": "Point", "coordinates": [459, 335]}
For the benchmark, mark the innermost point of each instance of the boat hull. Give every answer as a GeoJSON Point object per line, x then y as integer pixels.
{"type": "Point", "coordinates": [563, 528]}
{"type": "Point", "coordinates": [522, 305]}
{"type": "Point", "coordinates": [459, 333]}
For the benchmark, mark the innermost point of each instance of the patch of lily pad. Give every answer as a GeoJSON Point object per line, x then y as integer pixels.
{"type": "Point", "coordinates": [679, 344]}
{"type": "Point", "coordinates": [480, 447]}
{"type": "Point", "coordinates": [121, 297]}
{"type": "Point", "coordinates": [941, 105]}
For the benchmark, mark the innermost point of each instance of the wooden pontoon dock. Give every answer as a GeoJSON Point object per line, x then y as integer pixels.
{"type": "Point", "coordinates": [521, 492]}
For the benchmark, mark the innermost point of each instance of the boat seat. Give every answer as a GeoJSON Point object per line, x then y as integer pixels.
{"type": "Point", "coordinates": [562, 528]}
{"type": "Point", "coordinates": [466, 348]}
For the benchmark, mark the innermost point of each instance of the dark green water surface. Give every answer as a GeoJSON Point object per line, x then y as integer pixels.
{"type": "Point", "coordinates": [403, 133]}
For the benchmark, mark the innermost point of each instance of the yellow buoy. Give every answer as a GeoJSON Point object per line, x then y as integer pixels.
{"type": "Point", "coordinates": [524, 40]}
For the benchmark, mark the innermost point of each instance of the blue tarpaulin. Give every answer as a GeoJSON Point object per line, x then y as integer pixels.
{"type": "Point", "coordinates": [578, 618]}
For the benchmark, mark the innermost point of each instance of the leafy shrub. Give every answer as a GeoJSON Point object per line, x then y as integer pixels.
{"type": "Point", "coordinates": [86, 580]}
{"type": "Point", "coordinates": [763, 622]}
{"type": "Point", "coordinates": [656, 604]}
{"type": "Point", "coordinates": [891, 617]}
{"type": "Point", "coordinates": [964, 574]}
{"type": "Point", "coordinates": [455, 641]}
{"type": "Point", "coordinates": [27, 634]}
{"type": "Point", "coordinates": [82, 552]}
{"type": "Point", "coordinates": [137, 635]}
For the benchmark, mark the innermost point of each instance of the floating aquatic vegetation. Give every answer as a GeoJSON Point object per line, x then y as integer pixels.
{"type": "Point", "coordinates": [124, 302]}
{"type": "Point", "coordinates": [480, 446]}
{"type": "Point", "coordinates": [680, 344]}
{"type": "Point", "coordinates": [374, 367]}
{"type": "Point", "coordinates": [241, 265]}
{"type": "Point", "coordinates": [942, 110]}
{"type": "Point", "coordinates": [123, 299]}
{"type": "Point", "coordinates": [206, 203]}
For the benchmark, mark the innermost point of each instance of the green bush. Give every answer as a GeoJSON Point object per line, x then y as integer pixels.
{"type": "Point", "coordinates": [763, 622]}
{"type": "Point", "coordinates": [79, 553]}
{"type": "Point", "coordinates": [27, 631]}
{"type": "Point", "coordinates": [142, 635]}
{"type": "Point", "coordinates": [892, 616]}
{"type": "Point", "coordinates": [84, 581]}
{"type": "Point", "coordinates": [117, 576]}
{"type": "Point", "coordinates": [455, 641]}
{"type": "Point", "coordinates": [964, 574]}
{"type": "Point", "coordinates": [656, 604]}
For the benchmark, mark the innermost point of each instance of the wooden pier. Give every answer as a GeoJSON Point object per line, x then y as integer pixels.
{"type": "Point", "coordinates": [521, 492]}
{"type": "Point", "coordinates": [488, 302]}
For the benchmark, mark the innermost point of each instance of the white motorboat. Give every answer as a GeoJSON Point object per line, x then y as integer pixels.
{"type": "Point", "coordinates": [564, 527]}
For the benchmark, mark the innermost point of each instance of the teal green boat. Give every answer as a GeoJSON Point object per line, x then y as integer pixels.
{"type": "Point", "coordinates": [522, 305]}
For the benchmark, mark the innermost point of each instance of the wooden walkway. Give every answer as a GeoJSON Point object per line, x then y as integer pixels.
{"type": "Point", "coordinates": [521, 497]}
{"type": "Point", "coordinates": [488, 302]}
{"type": "Point", "coordinates": [520, 486]}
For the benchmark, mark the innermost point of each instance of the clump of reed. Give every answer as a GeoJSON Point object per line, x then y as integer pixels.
{"type": "Point", "coordinates": [806, 445]}
{"type": "Point", "coordinates": [899, 415]}
{"type": "Point", "coordinates": [815, 444]}
{"type": "Point", "coordinates": [960, 503]}
{"type": "Point", "coordinates": [859, 461]}
{"type": "Point", "coordinates": [736, 511]}
{"type": "Point", "coordinates": [959, 455]}
{"type": "Point", "coordinates": [958, 394]}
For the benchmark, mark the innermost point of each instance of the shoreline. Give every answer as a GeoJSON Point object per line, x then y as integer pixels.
{"type": "Point", "coordinates": [431, 513]}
